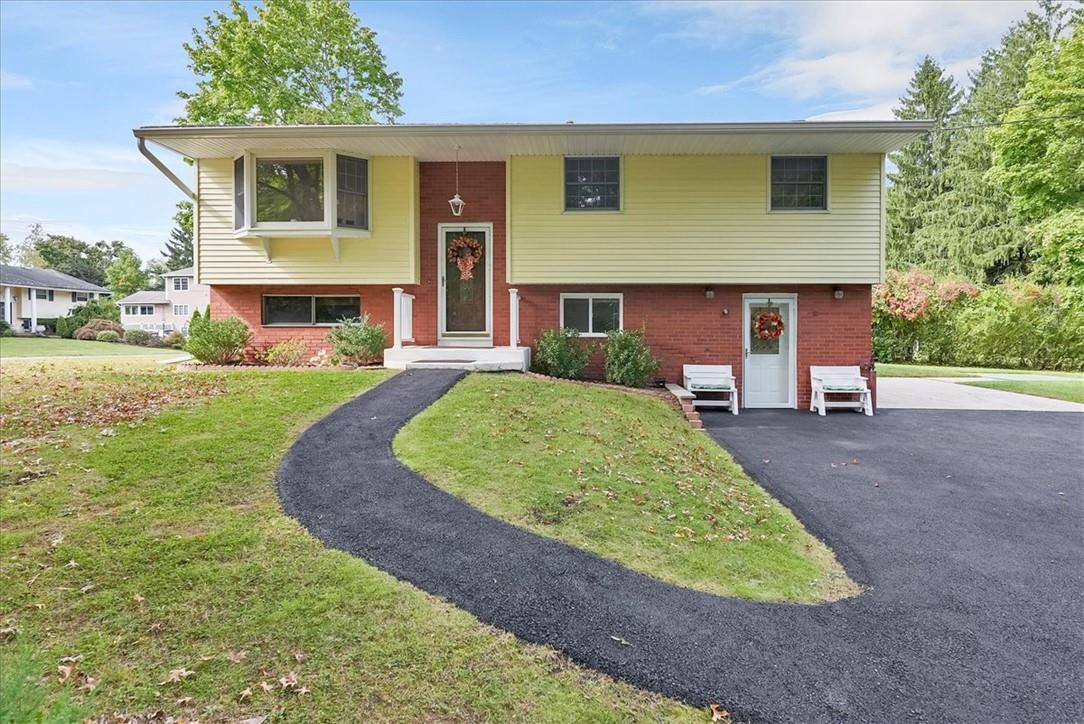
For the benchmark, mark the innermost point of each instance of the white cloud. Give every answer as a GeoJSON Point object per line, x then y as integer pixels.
{"type": "Point", "coordinates": [865, 51]}
{"type": "Point", "coordinates": [875, 112]}
{"type": "Point", "coordinates": [44, 164]}
{"type": "Point", "coordinates": [13, 81]}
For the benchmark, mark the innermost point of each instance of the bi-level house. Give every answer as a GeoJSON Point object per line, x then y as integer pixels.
{"type": "Point", "coordinates": [467, 241]}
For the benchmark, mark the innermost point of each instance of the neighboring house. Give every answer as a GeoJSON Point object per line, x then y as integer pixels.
{"type": "Point", "coordinates": [697, 233]}
{"type": "Point", "coordinates": [168, 310]}
{"type": "Point", "coordinates": [28, 295]}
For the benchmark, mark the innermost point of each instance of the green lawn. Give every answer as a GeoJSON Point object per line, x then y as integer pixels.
{"type": "Point", "coordinates": [886, 369]}
{"type": "Point", "coordinates": [58, 347]}
{"type": "Point", "coordinates": [1071, 391]}
{"type": "Point", "coordinates": [151, 549]}
{"type": "Point", "coordinates": [622, 475]}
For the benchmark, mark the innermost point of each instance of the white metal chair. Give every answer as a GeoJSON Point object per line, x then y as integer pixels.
{"type": "Point", "coordinates": [714, 379]}
{"type": "Point", "coordinates": [840, 381]}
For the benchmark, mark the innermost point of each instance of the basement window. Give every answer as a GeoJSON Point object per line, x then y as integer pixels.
{"type": "Point", "coordinates": [308, 310]}
{"type": "Point", "coordinates": [592, 315]}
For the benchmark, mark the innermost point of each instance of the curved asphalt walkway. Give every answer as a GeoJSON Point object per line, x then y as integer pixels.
{"type": "Point", "coordinates": [974, 612]}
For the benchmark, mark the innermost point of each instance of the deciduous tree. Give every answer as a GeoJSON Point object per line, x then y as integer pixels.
{"type": "Point", "coordinates": [289, 61]}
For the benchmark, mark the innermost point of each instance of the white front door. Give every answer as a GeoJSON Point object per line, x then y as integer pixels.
{"type": "Point", "coordinates": [770, 350]}
{"type": "Point", "coordinates": [465, 274]}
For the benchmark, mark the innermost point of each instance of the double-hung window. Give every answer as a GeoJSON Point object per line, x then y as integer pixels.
{"type": "Point", "coordinates": [44, 294]}
{"type": "Point", "coordinates": [180, 284]}
{"type": "Point", "coordinates": [180, 310]}
{"type": "Point", "coordinates": [592, 315]}
{"type": "Point", "coordinates": [80, 296]}
{"type": "Point", "coordinates": [284, 194]}
{"type": "Point", "coordinates": [309, 310]}
{"type": "Point", "coordinates": [593, 183]}
{"type": "Point", "coordinates": [799, 183]}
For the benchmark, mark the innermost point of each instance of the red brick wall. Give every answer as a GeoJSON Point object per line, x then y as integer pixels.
{"type": "Point", "coordinates": [682, 325]}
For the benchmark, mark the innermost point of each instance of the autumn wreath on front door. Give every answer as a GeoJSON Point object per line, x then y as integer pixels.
{"type": "Point", "coordinates": [768, 325]}
{"type": "Point", "coordinates": [465, 251]}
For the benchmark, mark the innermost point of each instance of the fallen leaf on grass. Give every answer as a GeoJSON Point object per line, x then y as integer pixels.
{"type": "Point", "coordinates": [70, 659]}
{"type": "Point", "coordinates": [237, 656]}
{"type": "Point", "coordinates": [289, 681]}
{"type": "Point", "coordinates": [7, 633]}
{"type": "Point", "coordinates": [303, 690]}
{"type": "Point", "coordinates": [71, 564]}
{"type": "Point", "coordinates": [245, 695]}
{"type": "Point", "coordinates": [177, 675]}
{"type": "Point", "coordinates": [266, 687]}
{"type": "Point", "coordinates": [299, 657]}
{"type": "Point", "coordinates": [87, 588]}
{"type": "Point", "coordinates": [89, 683]}
{"type": "Point", "coordinates": [138, 600]}
{"type": "Point", "coordinates": [184, 701]}
{"type": "Point", "coordinates": [64, 673]}
{"type": "Point", "coordinates": [718, 713]}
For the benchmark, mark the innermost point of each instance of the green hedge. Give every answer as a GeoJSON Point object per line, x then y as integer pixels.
{"type": "Point", "coordinates": [917, 318]}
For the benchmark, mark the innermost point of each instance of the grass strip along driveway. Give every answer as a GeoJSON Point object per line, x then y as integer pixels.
{"type": "Point", "coordinates": [148, 568]}
{"type": "Point", "coordinates": [619, 474]}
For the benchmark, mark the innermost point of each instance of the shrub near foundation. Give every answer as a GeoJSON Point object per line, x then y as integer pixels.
{"type": "Point", "coordinates": [628, 358]}
{"type": "Point", "coordinates": [137, 336]}
{"type": "Point", "coordinates": [89, 331]}
{"type": "Point", "coordinates": [358, 341]}
{"type": "Point", "coordinates": [217, 341]}
{"type": "Point", "coordinates": [288, 353]}
{"type": "Point", "coordinates": [559, 353]}
{"type": "Point", "coordinates": [107, 336]}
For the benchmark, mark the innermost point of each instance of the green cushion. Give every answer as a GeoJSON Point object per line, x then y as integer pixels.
{"type": "Point", "coordinates": [707, 387]}
{"type": "Point", "coordinates": [843, 388]}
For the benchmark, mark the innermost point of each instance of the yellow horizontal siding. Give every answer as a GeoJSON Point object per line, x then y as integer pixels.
{"type": "Point", "coordinates": [694, 219]}
{"type": "Point", "coordinates": [388, 256]}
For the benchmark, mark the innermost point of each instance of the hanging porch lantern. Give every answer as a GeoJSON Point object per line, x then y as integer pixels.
{"type": "Point", "coordinates": [456, 203]}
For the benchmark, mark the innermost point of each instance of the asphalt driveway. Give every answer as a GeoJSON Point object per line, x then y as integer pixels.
{"type": "Point", "coordinates": [965, 526]}
{"type": "Point", "coordinates": [968, 526]}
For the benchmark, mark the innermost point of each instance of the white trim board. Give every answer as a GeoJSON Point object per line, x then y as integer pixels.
{"type": "Point", "coordinates": [792, 361]}
{"type": "Point", "coordinates": [462, 338]}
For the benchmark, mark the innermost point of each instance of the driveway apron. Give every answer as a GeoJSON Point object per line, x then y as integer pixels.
{"type": "Point", "coordinates": [970, 543]}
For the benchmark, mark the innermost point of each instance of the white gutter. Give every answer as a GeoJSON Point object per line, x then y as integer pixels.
{"type": "Point", "coordinates": [142, 143]}
{"type": "Point", "coordinates": [515, 129]}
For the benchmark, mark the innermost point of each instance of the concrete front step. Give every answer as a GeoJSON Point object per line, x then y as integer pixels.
{"type": "Point", "coordinates": [478, 359]}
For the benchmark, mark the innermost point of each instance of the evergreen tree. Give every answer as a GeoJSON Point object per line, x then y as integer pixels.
{"type": "Point", "coordinates": [919, 178]}
{"type": "Point", "coordinates": [972, 229]}
{"type": "Point", "coordinates": [178, 251]}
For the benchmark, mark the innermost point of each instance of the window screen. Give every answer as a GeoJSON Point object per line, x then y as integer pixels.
{"type": "Point", "coordinates": [592, 184]}
{"type": "Point", "coordinates": [799, 183]}
{"type": "Point", "coordinates": [352, 192]}
{"type": "Point", "coordinates": [591, 314]}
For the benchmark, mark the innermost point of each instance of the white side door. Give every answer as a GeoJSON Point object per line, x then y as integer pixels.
{"type": "Point", "coordinates": [770, 363]}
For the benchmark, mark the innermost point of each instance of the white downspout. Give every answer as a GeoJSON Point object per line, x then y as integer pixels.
{"type": "Point", "coordinates": [164, 169]}
{"type": "Point", "coordinates": [513, 318]}
{"type": "Point", "coordinates": [397, 318]}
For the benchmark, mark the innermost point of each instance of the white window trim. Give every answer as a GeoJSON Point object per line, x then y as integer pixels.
{"type": "Point", "coordinates": [177, 307]}
{"type": "Point", "coordinates": [620, 185]}
{"type": "Point", "coordinates": [591, 296]}
{"type": "Point", "coordinates": [131, 310]}
{"type": "Point", "coordinates": [827, 183]}
{"type": "Point", "coordinates": [180, 284]}
{"type": "Point", "coordinates": [329, 226]}
{"type": "Point", "coordinates": [146, 306]}
{"type": "Point", "coordinates": [313, 297]}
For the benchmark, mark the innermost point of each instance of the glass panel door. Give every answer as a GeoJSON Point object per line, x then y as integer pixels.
{"type": "Point", "coordinates": [466, 279]}
{"type": "Point", "coordinates": [769, 335]}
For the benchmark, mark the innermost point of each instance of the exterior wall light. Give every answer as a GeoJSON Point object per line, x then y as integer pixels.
{"type": "Point", "coordinates": [837, 292]}
{"type": "Point", "coordinates": [709, 292]}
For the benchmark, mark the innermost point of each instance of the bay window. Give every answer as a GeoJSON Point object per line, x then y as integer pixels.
{"type": "Point", "coordinates": [294, 194]}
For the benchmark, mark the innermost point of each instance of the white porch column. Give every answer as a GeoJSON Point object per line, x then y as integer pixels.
{"type": "Point", "coordinates": [33, 311]}
{"type": "Point", "coordinates": [397, 318]}
{"type": "Point", "coordinates": [9, 313]}
{"type": "Point", "coordinates": [513, 318]}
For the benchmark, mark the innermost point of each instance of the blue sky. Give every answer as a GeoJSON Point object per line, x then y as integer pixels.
{"type": "Point", "coordinates": [75, 78]}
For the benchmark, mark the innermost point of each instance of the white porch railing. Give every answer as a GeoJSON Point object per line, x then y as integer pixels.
{"type": "Point", "coordinates": [402, 318]}
{"type": "Point", "coordinates": [513, 318]}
